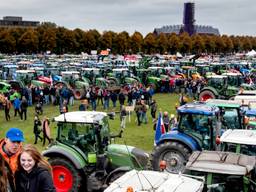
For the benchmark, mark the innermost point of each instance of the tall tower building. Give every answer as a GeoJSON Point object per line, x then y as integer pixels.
{"type": "Point", "coordinates": [188, 25]}
{"type": "Point", "coordinates": [189, 18]}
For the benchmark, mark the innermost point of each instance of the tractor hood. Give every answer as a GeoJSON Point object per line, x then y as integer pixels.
{"type": "Point", "coordinates": [153, 181]}
{"type": "Point", "coordinates": [123, 155]}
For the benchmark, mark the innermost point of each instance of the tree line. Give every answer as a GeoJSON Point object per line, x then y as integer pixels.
{"type": "Point", "coordinates": [59, 40]}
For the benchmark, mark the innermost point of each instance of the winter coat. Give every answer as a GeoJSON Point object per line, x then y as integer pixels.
{"type": "Point", "coordinates": [38, 180]}
{"type": "Point", "coordinates": [11, 160]}
{"type": "Point", "coordinates": [37, 124]}
{"type": "Point", "coordinates": [16, 103]}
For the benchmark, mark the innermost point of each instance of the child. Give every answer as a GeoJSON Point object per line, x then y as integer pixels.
{"type": "Point", "coordinates": [123, 114]}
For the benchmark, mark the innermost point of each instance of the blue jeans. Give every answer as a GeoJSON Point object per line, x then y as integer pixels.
{"type": "Point", "coordinates": [93, 103]}
{"type": "Point", "coordinates": [106, 104]}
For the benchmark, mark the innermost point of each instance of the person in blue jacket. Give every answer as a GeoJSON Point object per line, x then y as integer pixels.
{"type": "Point", "coordinates": [16, 106]}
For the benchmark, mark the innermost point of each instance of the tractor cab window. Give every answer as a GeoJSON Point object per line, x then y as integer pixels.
{"type": "Point", "coordinates": [230, 119]}
{"type": "Point", "coordinates": [79, 134]}
{"type": "Point", "coordinates": [240, 148]}
{"type": "Point", "coordinates": [200, 127]}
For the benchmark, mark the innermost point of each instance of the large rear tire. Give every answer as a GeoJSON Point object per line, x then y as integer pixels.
{"type": "Point", "coordinates": [206, 94]}
{"type": "Point", "coordinates": [175, 154]}
{"type": "Point", "coordinates": [66, 177]}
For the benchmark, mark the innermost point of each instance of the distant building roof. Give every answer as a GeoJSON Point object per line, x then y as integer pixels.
{"type": "Point", "coordinates": [200, 29]}
{"type": "Point", "coordinates": [13, 21]}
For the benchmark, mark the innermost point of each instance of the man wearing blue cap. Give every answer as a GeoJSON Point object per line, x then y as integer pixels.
{"type": "Point", "coordinates": [10, 147]}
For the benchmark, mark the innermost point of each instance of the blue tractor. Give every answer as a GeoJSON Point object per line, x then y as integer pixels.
{"type": "Point", "coordinates": [199, 128]}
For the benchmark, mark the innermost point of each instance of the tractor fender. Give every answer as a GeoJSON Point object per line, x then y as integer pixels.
{"type": "Point", "coordinates": [116, 171]}
{"type": "Point", "coordinates": [182, 138]}
{"type": "Point", "coordinates": [213, 90]}
{"type": "Point", "coordinates": [75, 157]}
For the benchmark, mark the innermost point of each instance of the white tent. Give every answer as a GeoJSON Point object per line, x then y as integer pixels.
{"type": "Point", "coordinates": [251, 53]}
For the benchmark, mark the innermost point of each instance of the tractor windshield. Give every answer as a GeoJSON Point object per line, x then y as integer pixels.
{"type": "Point", "coordinates": [200, 127]}
{"type": "Point", "coordinates": [218, 83]}
{"type": "Point", "coordinates": [231, 120]}
{"type": "Point", "coordinates": [235, 80]}
{"type": "Point", "coordinates": [87, 137]}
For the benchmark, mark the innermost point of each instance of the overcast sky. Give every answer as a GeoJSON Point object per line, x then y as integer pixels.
{"type": "Point", "coordinates": [231, 17]}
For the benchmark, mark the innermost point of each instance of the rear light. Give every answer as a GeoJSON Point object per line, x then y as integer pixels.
{"type": "Point", "coordinates": [129, 189]}
{"type": "Point", "coordinates": [162, 165]}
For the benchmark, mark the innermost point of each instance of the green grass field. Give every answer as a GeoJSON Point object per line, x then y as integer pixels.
{"type": "Point", "coordinates": [139, 136]}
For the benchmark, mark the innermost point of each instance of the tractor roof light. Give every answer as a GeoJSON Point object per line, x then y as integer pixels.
{"type": "Point", "coordinates": [162, 165]}
{"type": "Point", "coordinates": [129, 189]}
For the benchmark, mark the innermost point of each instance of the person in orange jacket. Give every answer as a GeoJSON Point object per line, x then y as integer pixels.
{"type": "Point", "coordinates": [11, 146]}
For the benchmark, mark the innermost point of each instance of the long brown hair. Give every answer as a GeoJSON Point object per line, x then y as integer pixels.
{"type": "Point", "coordinates": [3, 175]}
{"type": "Point", "coordinates": [36, 155]}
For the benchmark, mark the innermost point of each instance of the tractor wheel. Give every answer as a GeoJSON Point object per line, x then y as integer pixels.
{"type": "Point", "coordinates": [231, 98]}
{"type": "Point", "coordinates": [65, 176]}
{"type": "Point", "coordinates": [114, 177]}
{"type": "Point", "coordinates": [173, 153]}
{"type": "Point", "coordinates": [205, 95]}
{"type": "Point", "coordinates": [78, 94]}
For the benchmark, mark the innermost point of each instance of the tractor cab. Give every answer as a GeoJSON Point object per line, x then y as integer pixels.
{"type": "Point", "coordinates": [232, 114]}
{"type": "Point", "coordinates": [239, 141]}
{"type": "Point", "coordinates": [204, 69]}
{"type": "Point", "coordinates": [199, 122]}
{"type": "Point", "coordinates": [191, 72]}
{"type": "Point", "coordinates": [199, 128]}
{"type": "Point", "coordinates": [26, 76]}
{"type": "Point", "coordinates": [89, 133]}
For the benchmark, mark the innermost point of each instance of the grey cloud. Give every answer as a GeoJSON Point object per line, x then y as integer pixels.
{"type": "Point", "coordinates": [230, 16]}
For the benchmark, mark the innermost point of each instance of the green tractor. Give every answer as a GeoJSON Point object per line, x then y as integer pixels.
{"type": "Point", "coordinates": [224, 86]}
{"type": "Point", "coordinates": [122, 76]}
{"type": "Point", "coordinates": [73, 80]}
{"type": "Point", "coordinates": [82, 157]}
{"type": "Point", "coordinates": [149, 79]}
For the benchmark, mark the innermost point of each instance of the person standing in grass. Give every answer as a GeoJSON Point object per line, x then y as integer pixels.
{"type": "Point", "coordinates": [123, 114]}
{"type": "Point", "coordinates": [34, 173]}
{"type": "Point", "coordinates": [37, 130]}
{"type": "Point", "coordinates": [46, 130]}
{"type": "Point", "coordinates": [23, 108]}
{"type": "Point", "coordinates": [153, 107]}
{"type": "Point", "coordinates": [16, 106]}
{"type": "Point", "coordinates": [7, 106]}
